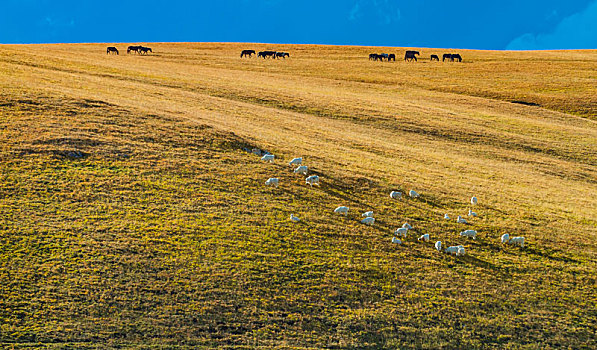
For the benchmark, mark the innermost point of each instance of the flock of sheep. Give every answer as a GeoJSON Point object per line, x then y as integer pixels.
{"type": "Point", "coordinates": [370, 220]}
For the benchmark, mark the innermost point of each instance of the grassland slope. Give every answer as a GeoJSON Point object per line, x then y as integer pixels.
{"type": "Point", "coordinates": [130, 216]}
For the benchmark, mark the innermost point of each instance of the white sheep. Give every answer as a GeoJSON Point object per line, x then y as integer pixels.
{"type": "Point", "coordinates": [460, 251]}
{"type": "Point", "coordinates": [401, 231]}
{"type": "Point", "coordinates": [469, 233]}
{"type": "Point", "coordinates": [296, 161]}
{"type": "Point", "coordinates": [312, 180]}
{"type": "Point", "coordinates": [368, 221]}
{"type": "Point", "coordinates": [474, 200]}
{"type": "Point", "coordinates": [460, 220]}
{"type": "Point", "coordinates": [294, 218]}
{"type": "Point", "coordinates": [272, 181]}
{"type": "Point", "coordinates": [396, 240]}
{"type": "Point", "coordinates": [301, 170]}
{"type": "Point", "coordinates": [438, 246]}
{"type": "Point", "coordinates": [395, 195]}
{"type": "Point", "coordinates": [413, 194]}
{"type": "Point", "coordinates": [268, 158]}
{"type": "Point", "coordinates": [407, 225]}
{"type": "Point", "coordinates": [341, 210]}
{"type": "Point", "coordinates": [446, 217]}
{"type": "Point", "coordinates": [424, 237]}
{"type": "Point", "coordinates": [368, 214]}
{"type": "Point", "coordinates": [505, 238]}
{"type": "Point", "coordinates": [517, 240]}
{"type": "Point", "coordinates": [472, 213]}
{"type": "Point", "coordinates": [453, 249]}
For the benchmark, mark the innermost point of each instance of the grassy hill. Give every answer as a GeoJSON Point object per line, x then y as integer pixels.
{"type": "Point", "coordinates": [131, 216]}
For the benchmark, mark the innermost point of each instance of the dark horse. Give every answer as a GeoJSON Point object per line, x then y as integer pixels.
{"type": "Point", "coordinates": [451, 57]}
{"type": "Point", "coordinates": [133, 49]}
{"type": "Point", "coordinates": [247, 53]}
{"type": "Point", "coordinates": [391, 57]}
{"type": "Point", "coordinates": [434, 58]}
{"type": "Point", "coordinates": [111, 49]}
{"type": "Point", "coordinates": [144, 50]}
{"type": "Point", "coordinates": [282, 54]}
{"type": "Point", "coordinates": [266, 54]}
{"type": "Point", "coordinates": [411, 55]}
{"type": "Point", "coordinates": [376, 57]}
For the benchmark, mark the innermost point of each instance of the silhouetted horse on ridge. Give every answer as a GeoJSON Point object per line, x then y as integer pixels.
{"type": "Point", "coordinates": [111, 49]}
{"type": "Point", "coordinates": [133, 49]}
{"type": "Point", "coordinates": [266, 54]}
{"type": "Point", "coordinates": [411, 55]}
{"type": "Point", "coordinates": [434, 58]}
{"type": "Point", "coordinates": [247, 53]}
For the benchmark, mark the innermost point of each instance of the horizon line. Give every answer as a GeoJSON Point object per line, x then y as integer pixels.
{"type": "Point", "coordinates": [282, 43]}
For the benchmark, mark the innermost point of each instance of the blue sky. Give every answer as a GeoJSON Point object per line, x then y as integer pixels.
{"type": "Point", "coordinates": [505, 24]}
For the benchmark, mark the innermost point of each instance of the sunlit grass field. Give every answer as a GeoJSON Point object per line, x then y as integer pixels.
{"type": "Point", "coordinates": [131, 216]}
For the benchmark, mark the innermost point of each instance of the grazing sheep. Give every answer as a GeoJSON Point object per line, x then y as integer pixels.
{"type": "Point", "coordinates": [413, 194]}
{"type": "Point", "coordinates": [460, 251]}
{"type": "Point", "coordinates": [407, 225]}
{"type": "Point", "coordinates": [341, 210]}
{"type": "Point", "coordinates": [505, 238]}
{"type": "Point", "coordinates": [396, 240]}
{"type": "Point", "coordinates": [517, 240]}
{"type": "Point", "coordinates": [301, 170]}
{"type": "Point", "coordinates": [312, 180]}
{"type": "Point", "coordinates": [368, 214]}
{"type": "Point", "coordinates": [395, 195]}
{"type": "Point", "coordinates": [368, 221]}
{"type": "Point", "coordinates": [474, 200]}
{"type": "Point", "coordinates": [453, 249]}
{"type": "Point", "coordinates": [438, 246]}
{"type": "Point", "coordinates": [294, 218]}
{"type": "Point", "coordinates": [472, 213]}
{"type": "Point", "coordinates": [268, 158]}
{"type": "Point", "coordinates": [424, 237]}
{"type": "Point", "coordinates": [401, 231]}
{"type": "Point", "coordinates": [296, 161]}
{"type": "Point", "coordinates": [469, 233]}
{"type": "Point", "coordinates": [460, 220]}
{"type": "Point", "coordinates": [272, 181]}
{"type": "Point", "coordinates": [446, 217]}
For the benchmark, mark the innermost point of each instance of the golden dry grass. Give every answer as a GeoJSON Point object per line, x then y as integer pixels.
{"type": "Point", "coordinates": [163, 234]}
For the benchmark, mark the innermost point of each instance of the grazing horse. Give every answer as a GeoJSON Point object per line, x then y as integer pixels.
{"type": "Point", "coordinates": [133, 49]}
{"type": "Point", "coordinates": [266, 54]}
{"type": "Point", "coordinates": [376, 57]}
{"type": "Point", "coordinates": [411, 55]}
{"type": "Point", "coordinates": [447, 56]}
{"type": "Point", "coordinates": [391, 57]}
{"type": "Point", "coordinates": [384, 55]}
{"type": "Point", "coordinates": [144, 50]}
{"type": "Point", "coordinates": [249, 53]}
{"type": "Point", "coordinates": [456, 56]}
{"type": "Point", "coordinates": [434, 58]}
{"type": "Point", "coordinates": [282, 54]}
{"type": "Point", "coordinates": [111, 49]}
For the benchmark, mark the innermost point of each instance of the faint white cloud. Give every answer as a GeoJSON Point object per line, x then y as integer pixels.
{"type": "Point", "coordinates": [385, 11]}
{"type": "Point", "coordinates": [578, 31]}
